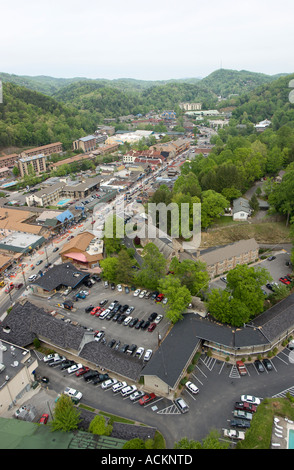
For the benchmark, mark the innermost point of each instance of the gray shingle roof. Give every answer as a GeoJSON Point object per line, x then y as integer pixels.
{"type": "Point", "coordinates": [65, 274]}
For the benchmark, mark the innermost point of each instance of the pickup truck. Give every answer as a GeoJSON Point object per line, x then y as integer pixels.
{"type": "Point", "coordinates": [241, 368]}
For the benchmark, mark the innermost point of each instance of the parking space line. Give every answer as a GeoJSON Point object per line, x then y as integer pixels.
{"type": "Point", "coordinates": [287, 363]}
{"type": "Point", "coordinates": [201, 371]}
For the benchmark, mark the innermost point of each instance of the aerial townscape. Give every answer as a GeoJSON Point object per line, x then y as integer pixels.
{"type": "Point", "coordinates": [146, 263]}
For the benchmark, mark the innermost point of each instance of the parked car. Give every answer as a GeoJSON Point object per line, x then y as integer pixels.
{"type": "Point", "coordinates": [51, 357]}
{"type": "Point", "coordinates": [18, 286]}
{"type": "Point", "coordinates": [137, 292]}
{"type": "Point", "coordinates": [224, 279]}
{"type": "Point", "coordinates": [240, 423]}
{"type": "Point", "coordinates": [82, 371]}
{"type": "Point", "coordinates": [100, 378]}
{"type": "Point", "coordinates": [192, 387]}
{"type": "Point", "coordinates": [251, 399]}
{"type": "Point", "coordinates": [148, 295]}
{"type": "Point", "coordinates": [55, 249]}
{"type": "Point", "coordinates": [147, 398]}
{"type": "Point", "coordinates": [145, 325]}
{"type": "Point", "coordinates": [165, 300]}
{"type": "Point", "coordinates": [133, 322]}
{"type": "Point", "coordinates": [39, 262]}
{"type": "Point", "coordinates": [98, 336]}
{"type": "Point", "coordinates": [103, 302]}
{"type": "Point", "coordinates": [285, 280]}
{"type": "Point", "coordinates": [147, 355]}
{"type": "Point", "coordinates": [139, 324]}
{"type": "Point", "coordinates": [142, 294]}
{"type": "Point", "coordinates": [95, 310]}
{"type": "Point", "coordinates": [259, 365]}
{"type": "Point", "coordinates": [130, 310]}
{"type": "Point", "coordinates": [234, 434]}
{"type": "Point", "coordinates": [112, 286]}
{"type": "Point", "coordinates": [159, 298]}
{"type": "Point", "coordinates": [242, 414]}
{"type": "Point", "coordinates": [127, 320]}
{"type": "Point", "coordinates": [74, 368]}
{"type": "Point", "coordinates": [243, 405]}
{"type": "Point", "coordinates": [271, 258]}
{"type": "Point", "coordinates": [121, 318]}
{"type": "Point", "coordinates": [124, 348]}
{"type": "Point", "coordinates": [152, 317]}
{"type": "Point", "coordinates": [72, 393]}
{"type": "Point", "coordinates": [151, 327]}
{"type": "Point", "coordinates": [33, 277]}
{"type": "Point", "coordinates": [158, 319]}
{"type": "Point", "coordinates": [111, 343]}
{"type": "Point", "coordinates": [241, 367]}
{"type": "Point", "coordinates": [119, 288]}
{"type": "Point", "coordinates": [67, 364]}
{"type": "Point", "coordinates": [128, 390]}
{"type": "Point", "coordinates": [119, 386]}
{"type": "Point", "coordinates": [108, 383]}
{"type": "Point", "coordinates": [89, 308]}
{"type": "Point", "coordinates": [106, 285]}
{"type": "Point", "coordinates": [137, 395]}
{"type": "Point", "coordinates": [267, 364]}
{"type": "Point", "coordinates": [44, 418]}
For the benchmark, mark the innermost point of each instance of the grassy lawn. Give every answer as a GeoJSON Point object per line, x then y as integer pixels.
{"type": "Point", "coordinates": [258, 436]}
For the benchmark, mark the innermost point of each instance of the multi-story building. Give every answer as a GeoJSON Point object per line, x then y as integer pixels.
{"type": "Point", "coordinates": [190, 106]}
{"type": "Point", "coordinates": [9, 160]}
{"type": "Point", "coordinates": [44, 150]}
{"type": "Point", "coordinates": [86, 144]}
{"type": "Point", "coordinates": [37, 163]}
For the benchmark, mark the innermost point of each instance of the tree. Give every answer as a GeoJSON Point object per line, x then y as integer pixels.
{"type": "Point", "coordinates": [211, 441]}
{"type": "Point", "coordinates": [66, 417]}
{"type": "Point", "coordinates": [114, 231]}
{"type": "Point", "coordinates": [212, 206]}
{"type": "Point", "coordinates": [282, 195]}
{"type": "Point", "coordinates": [109, 267]}
{"type": "Point", "coordinates": [254, 203]}
{"type": "Point", "coordinates": [99, 426]}
{"type": "Point", "coordinates": [153, 267]}
{"type": "Point", "coordinates": [192, 274]}
{"type": "Point", "coordinates": [178, 296]}
{"type": "Point", "coordinates": [135, 443]}
{"type": "Point", "coordinates": [124, 270]}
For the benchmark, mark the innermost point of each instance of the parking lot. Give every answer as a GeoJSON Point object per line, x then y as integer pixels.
{"type": "Point", "coordinates": [113, 330]}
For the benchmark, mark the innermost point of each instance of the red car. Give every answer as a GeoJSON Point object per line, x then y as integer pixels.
{"type": "Point", "coordinates": [82, 371]}
{"type": "Point", "coordinates": [44, 418]}
{"type": "Point", "coordinates": [152, 327]}
{"type": "Point", "coordinates": [244, 406]}
{"type": "Point", "coordinates": [147, 398]}
{"type": "Point", "coordinates": [9, 287]}
{"type": "Point", "coordinates": [285, 280]}
{"type": "Point", "coordinates": [95, 310]}
{"type": "Point", "coordinates": [159, 298]}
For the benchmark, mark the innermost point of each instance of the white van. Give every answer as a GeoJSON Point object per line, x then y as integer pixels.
{"type": "Point", "coordinates": [128, 390]}
{"type": "Point", "coordinates": [118, 386]}
{"type": "Point", "coordinates": [127, 320]}
{"type": "Point", "coordinates": [182, 405]}
{"type": "Point", "coordinates": [104, 314]}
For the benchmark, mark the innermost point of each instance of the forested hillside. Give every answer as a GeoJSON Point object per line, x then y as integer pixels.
{"type": "Point", "coordinates": [29, 118]}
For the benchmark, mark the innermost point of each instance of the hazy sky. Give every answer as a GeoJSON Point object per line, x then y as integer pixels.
{"type": "Point", "coordinates": [157, 40]}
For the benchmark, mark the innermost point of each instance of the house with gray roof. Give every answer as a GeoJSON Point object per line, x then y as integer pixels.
{"type": "Point", "coordinates": [241, 209]}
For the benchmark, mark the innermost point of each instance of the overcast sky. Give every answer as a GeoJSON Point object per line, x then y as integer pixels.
{"type": "Point", "coordinates": [157, 40]}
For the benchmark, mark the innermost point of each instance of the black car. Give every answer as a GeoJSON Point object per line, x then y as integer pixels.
{"type": "Point", "coordinates": [240, 423]}
{"type": "Point", "coordinates": [55, 249]}
{"type": "Point", "coordinates": [152, 317]}
{"type": "Point", "coordinates": [90, 375]}
{"type": "Point", "coordinates": [123, 308]}
{"type": "Point", "coordinates": [269, 286]}
{"type": "Point", "coordinates": [110, 315]}
{"type": "Point", "coordinates": [67, 364]}
{"type": "Point", "coordinates": [121, 318]}
{"type": "Point", "coordinates": [89, 309]}
{"type": "Point", "coordinates": [145, 325]}
{"type": "Point", "coordinates": [117, 308]}
{"type": "Point", "coordinates": [133, 322]}
{"type": "Point", "coordinates": [127, 289]}
{"type": "Point", "coordinates": [112, 286]}
{"type": "Point", "coordinates": [116, 316]}
{"type": "Point", "coordinates": [47, 265]}
{"type": "Point", "coordinates": [88, 283]}
{"type": "Point", "coordinates": [139, 324]}
{"type": "Point", "coordinates": [100, 378]}
{"type": "Point", "coordinates": [259, 365]}
{"type": "Point", "coordinates": [111, 343]}
{"type": "Point", "coordinates": [154, 294]}
{"type": "Point", "coordinates": [117, 345]}
{"type": "Point", "coordinates": [96, 278]}
{"type": "Point", "coordinates": [271, 258]}
{"type": "Point", "coordinates": [267, 364]}
{"type": "Point", "coordinates": [124, 348]}
{"type": "Point", "coordinates": [103, 302]}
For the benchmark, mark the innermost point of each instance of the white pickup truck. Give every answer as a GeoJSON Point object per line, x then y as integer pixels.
{"type": "Point", "coordinates": [234, 434]}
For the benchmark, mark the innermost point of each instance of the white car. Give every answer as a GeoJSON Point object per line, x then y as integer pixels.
{"type": "Point", "coordinates": [136, 395]}
{"type": "Point", "coordinates": [85, 292]}
{"type": "Point", "coordinates": [130, 310]}
{"type": "Point", "coordinates": [108, 383]}
{"type": "Point", "coordinates": [72, 393]}
{"type": "Point", "coordinates": [20, 410]}
{"type": "Point", "coordinates": [142, 294]}
{"type": "Point", "coordinates": [139, 353]}
{"type": "Point", "coordinates": [118, 386]}
{"type": "Point", "coordinates": [192, 387]}
{"type": "Point", "coordinates": [137, 292]}
{"type": "Point", "coordinates": [158, 319]}
{"type": "Point", "coordinates": [165, 300]}
{"type": "Point", "coordinates": [234, 434]}
{"type": "Point", "coordinates": [33, 277]}
{"type": "Point", "coordinates": [104, 314]}
{"type": "Point", "coordinates": [119, 288]}
{"type": "Point", "coordinates": [127, 320]}
{"type": "Point", "coordinates": [148, 355]}
{"type": "Point", "coordinates": [74, 368]}
{"type": "Point", "coordinates": [126, 391]}
{"type": "Point", "coordinates": [251, 399]}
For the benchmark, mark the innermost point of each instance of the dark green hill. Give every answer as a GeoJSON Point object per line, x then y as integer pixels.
{"type": "Point", "coordinates": [230, 82]}
{"type": "Point", "coordinates": [29, 118]}
{"type": "Point", "coordinates": [270, 101]}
